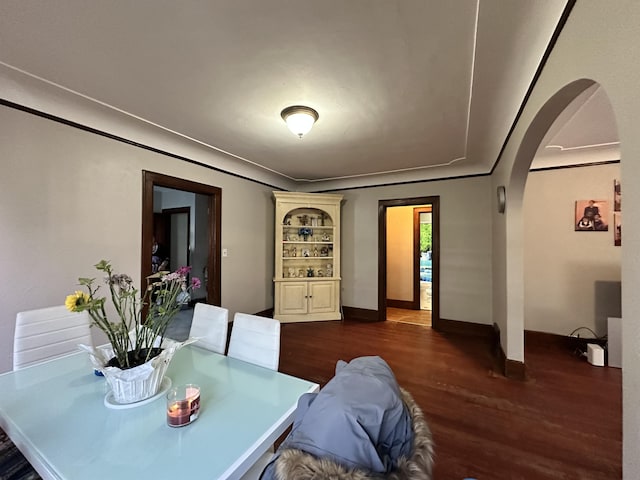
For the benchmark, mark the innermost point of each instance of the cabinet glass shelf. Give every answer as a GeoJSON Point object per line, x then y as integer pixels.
{"type": "Point", "coordinates": [309, 242]}
{"type": "Point", "coordinates": [307, 258]}
{"type": "Point", "coordinates": [320, 227]}
{"type": "Point", "coordinates": [306, 279]}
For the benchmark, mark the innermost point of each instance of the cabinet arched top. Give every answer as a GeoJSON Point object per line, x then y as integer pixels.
{"type": "Point", "coordinates": [307, 209]}
{"type": "Point", "coordinates": [308, 217]}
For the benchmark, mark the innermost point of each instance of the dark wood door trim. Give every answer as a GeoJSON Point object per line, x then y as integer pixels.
{"type": "Point", "coordinates": [214, 194]}
{"type": "Point", "coordinates": [434, 201]}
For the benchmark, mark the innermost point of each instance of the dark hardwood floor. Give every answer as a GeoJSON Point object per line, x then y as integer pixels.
{"type": "Point", "coordinates": [402, 315]}
{"type": "Point", "coordinates": [563, 422]}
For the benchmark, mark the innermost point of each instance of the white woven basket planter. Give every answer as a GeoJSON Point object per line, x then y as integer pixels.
{"type": "Point", "coordinates": [138, 383]}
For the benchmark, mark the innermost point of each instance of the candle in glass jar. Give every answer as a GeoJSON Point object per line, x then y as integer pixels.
{"type": "Point", "coordinates": [183, 405]}
{"type": "Point", "coordinates": [178, 414]}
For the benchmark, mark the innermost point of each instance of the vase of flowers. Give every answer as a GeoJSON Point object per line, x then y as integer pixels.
{"type": "Point", "coordinates": [136, 358]}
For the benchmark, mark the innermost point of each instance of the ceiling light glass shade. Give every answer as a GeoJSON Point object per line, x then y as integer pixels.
{"type": "Point", "coordinates": [299, 119]}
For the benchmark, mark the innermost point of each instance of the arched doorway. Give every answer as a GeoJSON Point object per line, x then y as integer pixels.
{"type": "Point", "coordinates": [572, 262]}
{"type": "Point", "coordinates": [537, 134]}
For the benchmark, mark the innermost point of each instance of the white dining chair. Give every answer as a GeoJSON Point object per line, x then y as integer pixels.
{"type": "Point", "coordinates": [210, 324]}
{"type": "Point", "coordinates": [48, 333]}
{"type": "Point", "coordinates": [255, 340]}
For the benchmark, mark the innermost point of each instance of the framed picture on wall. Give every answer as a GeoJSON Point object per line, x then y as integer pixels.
{"type": "Point", "coordinates": [617, 196]}
{"type": "Point", "coordinates": [617, 228]}
{"type": "Point", "coordinates": [591, 216]}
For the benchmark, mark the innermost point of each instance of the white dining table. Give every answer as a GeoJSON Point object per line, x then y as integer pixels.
{"type": "Point", "coordinates": [56, 414]}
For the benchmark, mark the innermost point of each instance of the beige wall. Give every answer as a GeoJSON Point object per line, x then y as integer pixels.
{"type": "Point", "coordinates": [570, 278]}
{"type": "Point", "coordinates": [69, 198]}
{"type": "Point", "coordinates": [400, 253]}
{"type": "Point", "coordinates": [465, 245]}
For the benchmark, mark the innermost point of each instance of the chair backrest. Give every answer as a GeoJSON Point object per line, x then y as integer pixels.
{"type": "Point", "coordinates": [47, 333]}
{"type": "Point", "coordinates": [210, 324]}
{"type": "Point", "coordinates": [256, 340]}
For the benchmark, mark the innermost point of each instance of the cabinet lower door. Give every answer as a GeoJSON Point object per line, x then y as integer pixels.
{"type": "Point", "coordinates": [307, 301]}
{"type": "Point", "coordinates": [322, 297]}
{"type": "Point", "coordinates": [292, 298]}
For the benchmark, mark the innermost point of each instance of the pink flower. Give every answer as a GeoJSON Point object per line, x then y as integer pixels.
{"type": "Point", "coordinates": [184, 271]}
{"type": "Point", "coordinates": [195, 282]}
{"type": "Point", "coordinates": [171, 277]}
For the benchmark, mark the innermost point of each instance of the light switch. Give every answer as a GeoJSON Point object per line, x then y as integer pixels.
{"type": "Point", "coordinates": [225, 252]}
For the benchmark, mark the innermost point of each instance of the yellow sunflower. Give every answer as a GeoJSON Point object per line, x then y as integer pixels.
{"type": "Point", "coordinates": [76, 300]}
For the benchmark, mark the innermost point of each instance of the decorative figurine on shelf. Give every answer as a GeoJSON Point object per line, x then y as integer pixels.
{"type": "Point", "coordinates": [319, 273]}
{"type": "Point", "coordinates": [329, 270]}
{"type": "Point", "coordinates": [287, 220]}
{"type": "Point", "coordinates": [314, 221]}
{"type": "Point", "coordinates": [309, 272]}
{"type": "Point", "coordinates": [305, 252]}
{"type": "Point", "coordinates": [315, 251]}
{"type": "Point", "coordinates": [322, 217]}
{"type": "Point", "coordinates": [303, 219]}
{"type": "Point", "coordinates": [324, 251]}
{"type": "Point", "coordinates": [300, 273]}
{"type": "Point", "coordinates": [292, 273]}
{"type": "Point", "coordinates": [326, 237]}
{"type": "Point", "coordinates": [285, 252]}
{"type": "Point", "coordinates": [305, 232]}
{"type": "Point", "coordinates": [294, 252]}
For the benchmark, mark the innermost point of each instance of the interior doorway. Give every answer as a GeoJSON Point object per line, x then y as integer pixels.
{"type": "Point", "coordinates": [192, 233]}
{"type": "Point", "coordinates": [385, 250]}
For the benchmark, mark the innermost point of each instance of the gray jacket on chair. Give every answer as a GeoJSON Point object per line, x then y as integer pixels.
{"type": "Point", "coordinates": [358, 420]}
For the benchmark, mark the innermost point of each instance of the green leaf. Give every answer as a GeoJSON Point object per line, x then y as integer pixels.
{"type": "Point", "coordinates": [103, 265]}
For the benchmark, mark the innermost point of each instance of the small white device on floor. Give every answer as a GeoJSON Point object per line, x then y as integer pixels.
{"type": "Point", "coordinates": [595, 355]}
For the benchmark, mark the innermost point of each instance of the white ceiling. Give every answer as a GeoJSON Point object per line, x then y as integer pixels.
{"type": "Point", "coordinates": [405, 89]}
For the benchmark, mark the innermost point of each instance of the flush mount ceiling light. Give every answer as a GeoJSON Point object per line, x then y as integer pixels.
{"type": "Point", "coordinates": [299, 119]}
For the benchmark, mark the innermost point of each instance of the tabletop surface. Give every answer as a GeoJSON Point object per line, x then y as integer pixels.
{"type": "Point", "coordinates": [56, 412]}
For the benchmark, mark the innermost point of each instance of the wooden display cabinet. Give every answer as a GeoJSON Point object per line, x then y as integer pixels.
{"type": "Point", "coordinates": [307, 257]}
